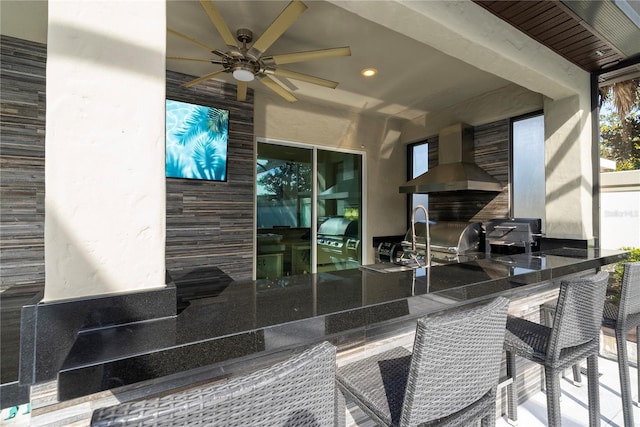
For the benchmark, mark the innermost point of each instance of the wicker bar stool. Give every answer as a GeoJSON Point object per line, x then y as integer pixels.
{"type": "Point", "coordinates": [575, 335]}
{"type": "Point", "coordinates": [623, 318]}
{"type": "Point", "coordinates": [450, 379]}
{"type": "Point", "coordinates": [628, 310]}
{"type": "Point", "coordinates": [299, 392]}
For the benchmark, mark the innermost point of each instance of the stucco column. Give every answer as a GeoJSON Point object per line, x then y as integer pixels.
{"type": "Point", "coordinates": [104, 174]}
{"type": "Point", "coordinates": [569, 166]}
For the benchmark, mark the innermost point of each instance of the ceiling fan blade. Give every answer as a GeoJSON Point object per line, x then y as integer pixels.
{"type": "Point", "coordinates": [268, 82]}
{"type": "Point", "coordinates": [189, 39]}
{"type": "Point", "coordinates": [286, 18]}
{"type": "Point", "coordinates": [180, 58]}
{"type": "Point", "coordinates": [310, 55]}
{"type": "Point", "coordinates": [203, 78]}
{"type": "Point", "coordinates": [304, 78]}
{"type": "Point", "coordinates": [219, 23]}
{"type": "Point", "coordinates": [242, 91]}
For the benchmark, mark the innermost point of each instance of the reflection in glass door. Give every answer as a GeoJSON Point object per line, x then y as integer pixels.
{"type": "Point", "coordinates": [419, 155]}
{"type": "Point", "coordinates": [339, 206]}
{"type": "Point", "coordinates": [284, 210]}
{"type": "Point", "coordinates": [306, 214]}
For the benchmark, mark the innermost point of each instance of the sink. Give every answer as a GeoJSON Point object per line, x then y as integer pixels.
{"type": "Point", "coordinates": [389, 268]}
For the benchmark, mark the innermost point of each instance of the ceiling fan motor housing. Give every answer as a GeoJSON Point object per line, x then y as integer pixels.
{"type": "Point", "coordinates": [244, 35]}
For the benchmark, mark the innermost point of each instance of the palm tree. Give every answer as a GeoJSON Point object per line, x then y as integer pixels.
{"type": "Point", "coordinates": [619, 135]}
{"type": "Point", "coordinates": [625, 96]}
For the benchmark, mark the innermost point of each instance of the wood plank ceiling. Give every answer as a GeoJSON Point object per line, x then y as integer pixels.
{"type": "Point", "coordinates": [556, 25]}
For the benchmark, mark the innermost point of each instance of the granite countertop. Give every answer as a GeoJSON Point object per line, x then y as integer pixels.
{"type": "Point", "coordinates": [252, 319]}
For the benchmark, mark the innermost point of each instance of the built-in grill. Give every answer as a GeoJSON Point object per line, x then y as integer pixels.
{"type": "Point", "coordinates": [513, 235]}
{"type": "Point", "coordinates": [338, 243]}
{"type": "Point", "coordinates": [451, 242]}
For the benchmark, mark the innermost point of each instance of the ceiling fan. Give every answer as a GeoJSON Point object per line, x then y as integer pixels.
{"type": "Point", "coordinates": [247, 63]}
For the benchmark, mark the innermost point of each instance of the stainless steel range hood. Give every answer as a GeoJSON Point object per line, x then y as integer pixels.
{"type": "Point", "coordinates": [456, 170]}
{"type": "Point", "coordinates": [346, 189]}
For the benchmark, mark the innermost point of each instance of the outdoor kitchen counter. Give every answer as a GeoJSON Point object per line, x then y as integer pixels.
{"type": "Point", "coordinates": [252, 323]}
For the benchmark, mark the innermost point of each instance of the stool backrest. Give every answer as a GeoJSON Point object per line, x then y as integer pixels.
{"type": "Point", "coordinates": [456, 360]}
{"type": "Point", "coordinates": [297, 392]}
{"type": "Point", "coordinates": [630, 291]}
{"type": "Point", "coordinates": [578, 313]}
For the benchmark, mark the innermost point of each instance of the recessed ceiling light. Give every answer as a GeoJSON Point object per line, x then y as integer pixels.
{"type": "Point", "coordinates": [369, 72]}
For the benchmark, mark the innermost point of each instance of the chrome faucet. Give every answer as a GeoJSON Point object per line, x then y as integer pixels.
{"type": "Point", "coordinates": [427, 237]}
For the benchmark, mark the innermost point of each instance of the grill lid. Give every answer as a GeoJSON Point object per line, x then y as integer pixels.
{"type": "Point", "coordinates": [339, 226]}
{"type": "Point", "coordinates": [514, 232]}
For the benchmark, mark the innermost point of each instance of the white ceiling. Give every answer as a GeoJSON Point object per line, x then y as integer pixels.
{"type": "Point", "coordinates": [413, 78]}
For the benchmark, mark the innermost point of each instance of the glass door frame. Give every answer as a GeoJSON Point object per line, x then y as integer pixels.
{"type": "Point", "coordinates": [314, 198]}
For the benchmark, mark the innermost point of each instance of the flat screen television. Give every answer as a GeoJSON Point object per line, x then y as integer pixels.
{"type": "Point", "coordinates": [196, 141]}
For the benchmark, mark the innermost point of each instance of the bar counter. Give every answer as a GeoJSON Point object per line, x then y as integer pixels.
{"type": "Point", "coordinates": [248, 324]}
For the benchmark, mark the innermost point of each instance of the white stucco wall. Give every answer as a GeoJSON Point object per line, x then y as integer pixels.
{"type": "Point", "coordinates": [569, 166]}
{"type": "Point", "coordinates": [104, 175]}
{"type": "Point", "coordinates": [505, 102]}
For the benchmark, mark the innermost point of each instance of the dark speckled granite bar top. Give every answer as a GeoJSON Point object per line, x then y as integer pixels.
{"type": "Point", "coordinates": [268, 318]}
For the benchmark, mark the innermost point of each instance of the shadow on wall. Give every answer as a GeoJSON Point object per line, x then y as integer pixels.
{"type": "Point", "coordinates": [143, 56]}
{"type": "Point", "coordinates": [565, 173]}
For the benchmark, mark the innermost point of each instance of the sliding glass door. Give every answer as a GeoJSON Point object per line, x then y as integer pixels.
{"type": "Point", "coordinates": [284, 210]}
{"type": "Point", "coordinates": [308, 212]}
{"type": "Point", "coordinates": [339, 204]}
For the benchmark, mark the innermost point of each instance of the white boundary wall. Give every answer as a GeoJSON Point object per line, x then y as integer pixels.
{"type": "Point", "coordinates": [620, 209]}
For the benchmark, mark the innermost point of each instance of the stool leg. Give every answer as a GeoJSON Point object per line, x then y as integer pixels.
{"type": "Point", "coordinates": [577, 376]}
{"type": "Point", "coordinates": [552, 381]}
{"type": "Point", "coordinates": [512, 392]}
{"type": "Point", "coordinates": [593, 389]}
{"type": "Point", "coordinates": [547, 313]}
{"type": "Point", "coordinates": [625, 380]}
{"type": "Point", "coordinates": [637, 402]}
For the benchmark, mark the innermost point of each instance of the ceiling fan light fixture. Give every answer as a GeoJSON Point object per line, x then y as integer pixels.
{"type": "Point", "coordinates": [243, 75]}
